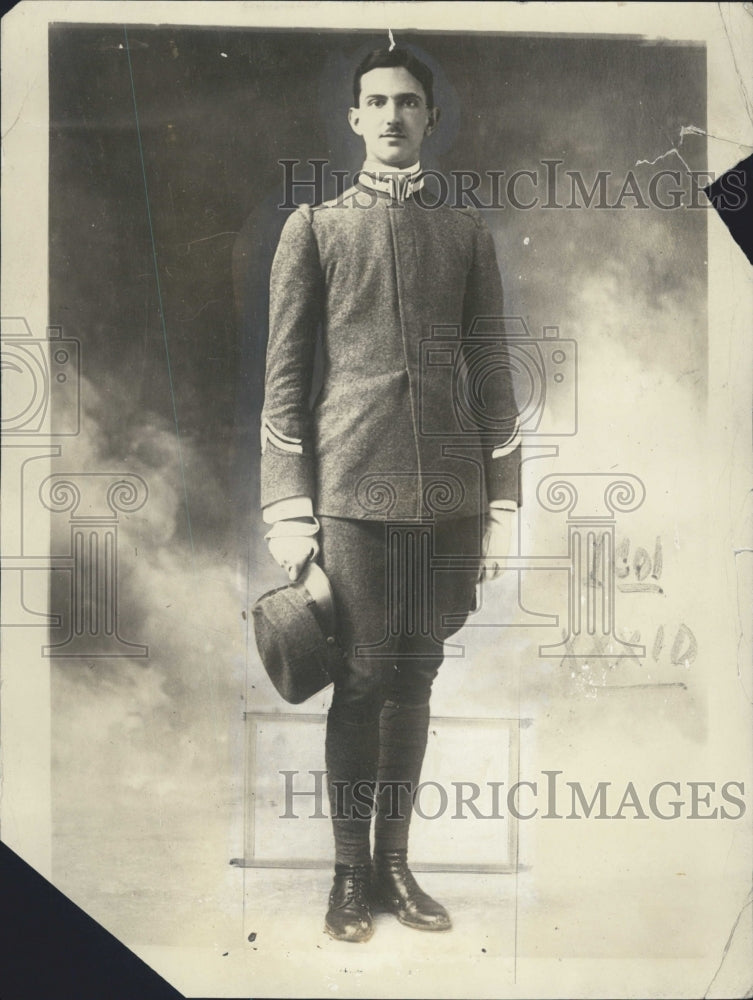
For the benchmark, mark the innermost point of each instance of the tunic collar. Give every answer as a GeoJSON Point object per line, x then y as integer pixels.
{"type": "Point", "coordinates": [398, 184]}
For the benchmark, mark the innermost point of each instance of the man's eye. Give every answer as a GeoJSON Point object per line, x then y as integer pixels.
{"type": "Point", "coordinates": [410, 102]}
{"type": "Point", "coordinates": [376, 102]}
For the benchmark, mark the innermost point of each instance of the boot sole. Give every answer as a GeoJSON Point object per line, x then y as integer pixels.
{"type": "Point", "coordinates": [433, 928]}
{"type": "Point", "coordinates": [366, 936]}
{"type": "Point", "coordinates": [381, 906]}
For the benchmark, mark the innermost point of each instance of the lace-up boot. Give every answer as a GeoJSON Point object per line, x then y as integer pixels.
{"type": "Point", "coordinates": [349, 914]}
{"type": "Point", "coordinates": [395, 889]}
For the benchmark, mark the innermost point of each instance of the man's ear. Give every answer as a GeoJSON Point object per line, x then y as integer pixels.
{"type": "Point", "coordinates": [354, 118]}
{"type": "Point", "coordinates": [433, 120]}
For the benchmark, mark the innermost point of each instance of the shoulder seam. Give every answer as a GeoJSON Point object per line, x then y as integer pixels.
{"type": "Point", "coordinates": [334, 202]}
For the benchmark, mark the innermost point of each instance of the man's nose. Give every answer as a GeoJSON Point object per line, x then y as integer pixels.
{"type": "Point", "coordinates": [392, 111]}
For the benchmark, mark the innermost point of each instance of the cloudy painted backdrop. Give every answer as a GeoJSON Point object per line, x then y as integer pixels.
{"type": "Point", "coordinates": [164, 180]}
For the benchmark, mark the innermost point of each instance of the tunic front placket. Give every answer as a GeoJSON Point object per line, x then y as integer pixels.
{"type": "Point", "coordinates": [407, 277]}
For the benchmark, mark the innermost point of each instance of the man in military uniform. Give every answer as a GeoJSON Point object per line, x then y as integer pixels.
{"type": "Point", "coordinates": [370, 480]}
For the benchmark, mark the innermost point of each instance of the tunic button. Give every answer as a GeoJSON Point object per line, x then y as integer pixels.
{"type": "Point", "coordinates": [331, 640]}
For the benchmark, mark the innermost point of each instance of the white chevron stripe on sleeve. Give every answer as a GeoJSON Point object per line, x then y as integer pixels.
{"type": "Point", "coordinates": [284, 442]}
{"type": "Point", "coordinates": [511, 444]}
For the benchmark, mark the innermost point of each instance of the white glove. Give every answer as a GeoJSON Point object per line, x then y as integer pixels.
{"type": "Point", "coordinates": [292, 544]}
{"type": "Point", "coordinates": [496, 542]}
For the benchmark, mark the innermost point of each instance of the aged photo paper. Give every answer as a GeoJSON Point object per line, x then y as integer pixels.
{"type": "Point", "coordinates": [585, 807]}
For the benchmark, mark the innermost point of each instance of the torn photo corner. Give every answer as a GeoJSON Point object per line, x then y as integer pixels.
{"type": "Point", "coordinates": [446, 304]}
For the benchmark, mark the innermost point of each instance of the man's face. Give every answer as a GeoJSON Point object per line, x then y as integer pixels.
{"type": "Point", "coordinates": [392, 116]}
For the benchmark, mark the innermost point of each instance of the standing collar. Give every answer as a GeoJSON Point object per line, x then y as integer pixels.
{"type": "Point", "coordinates": [398, 184]}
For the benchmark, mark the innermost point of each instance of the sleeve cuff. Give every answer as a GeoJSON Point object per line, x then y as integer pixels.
{"type": "Point", "coordinates": [503, 505]}
{"type": "Point", "coordinates": [293, 529]}
{"type": "Point", "coordinates": [281, 510]}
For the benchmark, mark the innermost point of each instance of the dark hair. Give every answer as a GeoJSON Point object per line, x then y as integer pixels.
{"type": "Point", "coordinates": [385, 58]}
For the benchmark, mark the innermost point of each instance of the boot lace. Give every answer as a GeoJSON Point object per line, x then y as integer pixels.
{"type": "Point", "coordinates": [356, 889]}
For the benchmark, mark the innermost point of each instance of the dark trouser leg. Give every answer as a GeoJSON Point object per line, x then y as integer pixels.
{"type": "Point", "coordinates": [352, 555]}
{"type": "Point", "coordinates": [404, 724]}
{"type": "Point", "coordinates": [351, 749]}
{"type": "Point", "coordinates": [404, 720]}
{"type": "Point", "coordinates": [403, 731]}
{"type": "Point", "coordinates": [403, 734]}
{"type": "Point", "coordinates": [402, 744]}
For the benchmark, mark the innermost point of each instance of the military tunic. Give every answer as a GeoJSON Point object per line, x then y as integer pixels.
{"type": "Point", "coordinates": [416, 417]}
